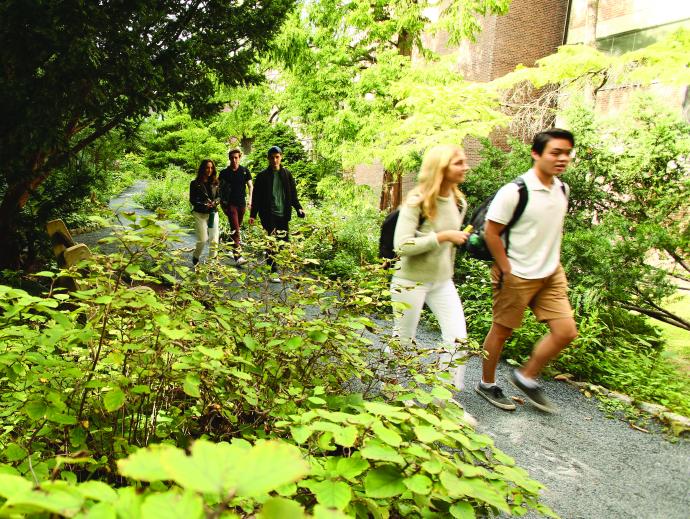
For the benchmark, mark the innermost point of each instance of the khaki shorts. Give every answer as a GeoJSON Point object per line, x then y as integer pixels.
{"type": "Point", "coordinates": [547, 297]}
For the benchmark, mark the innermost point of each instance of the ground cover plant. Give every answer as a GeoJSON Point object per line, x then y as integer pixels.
{"type": "Point", "coordinates": [246, 399]}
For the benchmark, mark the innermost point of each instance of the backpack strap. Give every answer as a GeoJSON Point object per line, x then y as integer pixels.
{"type": "Point", "coordinates": [519, 208]}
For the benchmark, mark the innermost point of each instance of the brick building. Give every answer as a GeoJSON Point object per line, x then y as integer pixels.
{"type": "Point", "coordinates": [531, 30]}
{"type": "Point", "coordinates": [626, 25]}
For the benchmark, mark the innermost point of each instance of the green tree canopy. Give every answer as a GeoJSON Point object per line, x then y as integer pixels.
{"type": "Point", "coordinates": [73, 71]}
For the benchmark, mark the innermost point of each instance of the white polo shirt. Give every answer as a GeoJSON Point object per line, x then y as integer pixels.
{"type": "Point", "coordinates": [535, 240]}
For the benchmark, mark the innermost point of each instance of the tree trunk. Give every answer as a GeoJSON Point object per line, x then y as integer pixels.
{"type": "Point", "coordinates": [391, 191]}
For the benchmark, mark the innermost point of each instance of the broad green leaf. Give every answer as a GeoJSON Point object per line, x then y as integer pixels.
{"type": "Point", "coordinates": [350, 468]}
{"type": "Point", "coordinates": [293, 343]}
{"type": "Point", "coordinates": [441, 393]}
{"type": "Point", "coordinates": [114, 399]}
{"type": "Point", "coordinates": [433, 466]}
{"type": "Point", "coordinates": [427, 434]}
{"type": "Point", "coordinates": [301, 433]}
{"type": "Point", "coordinates": [103, 510]}
{"type": "Point", "coordinates": [426, 415]}
{"type": "Point", "coordinates": [172, 505]}
{"type": "Point", "coordinates": [13, 485]}
{"type": "Point", "coordinates": [462, 510]}
{"type": "Point", "coordinates": [267, 466]}
{"type": "Point", "coordinates": [61, 418]}
{"type": "Point", "coordinates": [503, 458]}
{"type": "Point", "coordinates": [145, 464]}
{"type": "Point", "coordinates": [418, 450]}
{"type": "Point", "coordinates": [62, 501]}
{"type": "Point", "coordinates": [177, 333]}
{"type": "Point", "coordinates": [35, 410]}
{"type": "Point", "coordinates": [419, 484]}
{"type": "Point", "coordinates": [214, 353]}
{"type": "Point", "coordinates": [375, 450]}
{"type": "Point", "coordinates": [191, 385]}
{"type": "Point", "coordinates": [332, 494]}
{"type": "Point", "coordinates": [389, 436]}
{"type": "Point", "coordinates": [473, 487]}
{"type": "Point", "coordinates": [389, 411]}
{"type": "Point", "coordinates": [520, 477]}
{"type": "Point", "coordinates": [250, 343]}
{"type": "Point", "coordinates": [345, 436]}
{"type": "Point", "coordinates": [77, 436]}
{"type": "Point", "coordinates": [384, 482]}
{"type": "Point", "coordinates": [240, 374]}
{"type": "Point", "coordinates": [318, 336]}
{"type": "Point", "coordinates": [281, 508]}
{"type": "Point", "coordinates": [129, 503]}
{"type": "Point", "coordinates": [98, 491]}
{"type": "Point", "coordinates": [14, 452]}
{"type": "Point", "coordinates": [103, 300]}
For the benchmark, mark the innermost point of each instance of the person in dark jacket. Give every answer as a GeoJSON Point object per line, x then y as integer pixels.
{"type": "Point", "coordinates": [204, 197]}
{"type": "Point", "coordinates": [273, 198]}
{"type": "Point", "coordinates": [234, 181]}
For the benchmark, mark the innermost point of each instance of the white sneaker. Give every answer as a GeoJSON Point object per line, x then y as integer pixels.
{"type": "Point", "coordinates": [275, 279]}
{"type": "Point", "coordinates": [240, 261]}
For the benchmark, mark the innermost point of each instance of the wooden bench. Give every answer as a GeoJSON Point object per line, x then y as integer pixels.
{"type": "Point", "coordinates": [67, 252]}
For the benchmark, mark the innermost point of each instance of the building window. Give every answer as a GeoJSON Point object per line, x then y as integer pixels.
{"type": "Point", "coordinates": [628, 41]}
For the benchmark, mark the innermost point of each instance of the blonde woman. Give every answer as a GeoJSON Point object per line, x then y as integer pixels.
{"type": "Point", "coordinates": [424, 273]}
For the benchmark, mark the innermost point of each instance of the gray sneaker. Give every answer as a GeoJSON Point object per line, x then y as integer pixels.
{"type": "Point", "coordinates": [494, 394]}
{"type": "Point", "coordinates": [535, 395]}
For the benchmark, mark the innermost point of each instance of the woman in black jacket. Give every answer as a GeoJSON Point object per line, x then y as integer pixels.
{"type": "Point", "coordinates": [204, 197]}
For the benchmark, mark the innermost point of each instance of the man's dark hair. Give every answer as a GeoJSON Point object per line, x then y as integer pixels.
{"type": "Point", "coordinates": [542, 138]}
{"type": "Point", "coordinates": [233, 151]}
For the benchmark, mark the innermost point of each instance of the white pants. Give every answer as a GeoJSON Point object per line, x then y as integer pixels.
{"type": "Point", "coordinates": [204, 234]}
{"type": "Point", "coordinates": [444, 301]}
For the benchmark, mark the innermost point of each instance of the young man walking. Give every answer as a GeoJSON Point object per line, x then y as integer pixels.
{"type": "Point", "coordinates": [529, 273]}
{"type": "Point", "coordinates": [273, 198]}
{"type": "Point", "coordinates": [234, 181]}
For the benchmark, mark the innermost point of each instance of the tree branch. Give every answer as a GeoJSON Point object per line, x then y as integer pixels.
{"type": "Point", "coordinates": [664, 316]}
{"type": "Point", "coordinates": [678, 259]}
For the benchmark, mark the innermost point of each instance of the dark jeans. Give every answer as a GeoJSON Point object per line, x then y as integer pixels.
{"type": "Point", "coordinates": [279, 228]}
{"type": "Point", "coordinates": [235, 214]}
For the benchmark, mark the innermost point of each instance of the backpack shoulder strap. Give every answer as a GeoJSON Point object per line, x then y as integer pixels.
{"type": "Point", "coordinates": [522, 201]}
{"type": "Point", "coordinates": [565, 188]}
{"type": "Point", "coordinates": [519, 209]}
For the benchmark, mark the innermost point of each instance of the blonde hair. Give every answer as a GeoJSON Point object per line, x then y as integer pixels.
{"type": "Point", "coordinates": [434, 166]}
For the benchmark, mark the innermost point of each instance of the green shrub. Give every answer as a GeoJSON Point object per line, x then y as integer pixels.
{"type": "Point", "coordinates": [168, 195]}
{"type": "Point", "coordinates": [342, 231]}
{"type": "Point", "coordinates": [148, 351]}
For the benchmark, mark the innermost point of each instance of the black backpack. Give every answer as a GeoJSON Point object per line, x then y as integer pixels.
{"type": "Point", "coordinates": [386, 248]}
{"type": "Point", "coordinates": [475, 246]}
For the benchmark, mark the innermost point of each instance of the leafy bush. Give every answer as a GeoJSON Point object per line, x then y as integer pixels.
{"type": "Point", "coordinates": [168, 195]}
{"type": "Point", "coordinates": [342, 231]}
{"type": "Point", "coordinates": [175, 138]}
{"type": "Point", "coordinates": [148, 351]}
{"type": "Point", "coordinates": [306, 171]}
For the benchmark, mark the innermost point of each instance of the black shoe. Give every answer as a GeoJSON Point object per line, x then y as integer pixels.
{"type": "Point", "coordinates": [195, 261]}
{"type": "Point", "coordinates": [535, 395]}
{"type": "Point", "coordinates": [494, 394]}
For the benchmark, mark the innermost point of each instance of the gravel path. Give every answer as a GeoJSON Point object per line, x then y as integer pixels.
{"type": "Point", "coordinates": [593, 467]}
